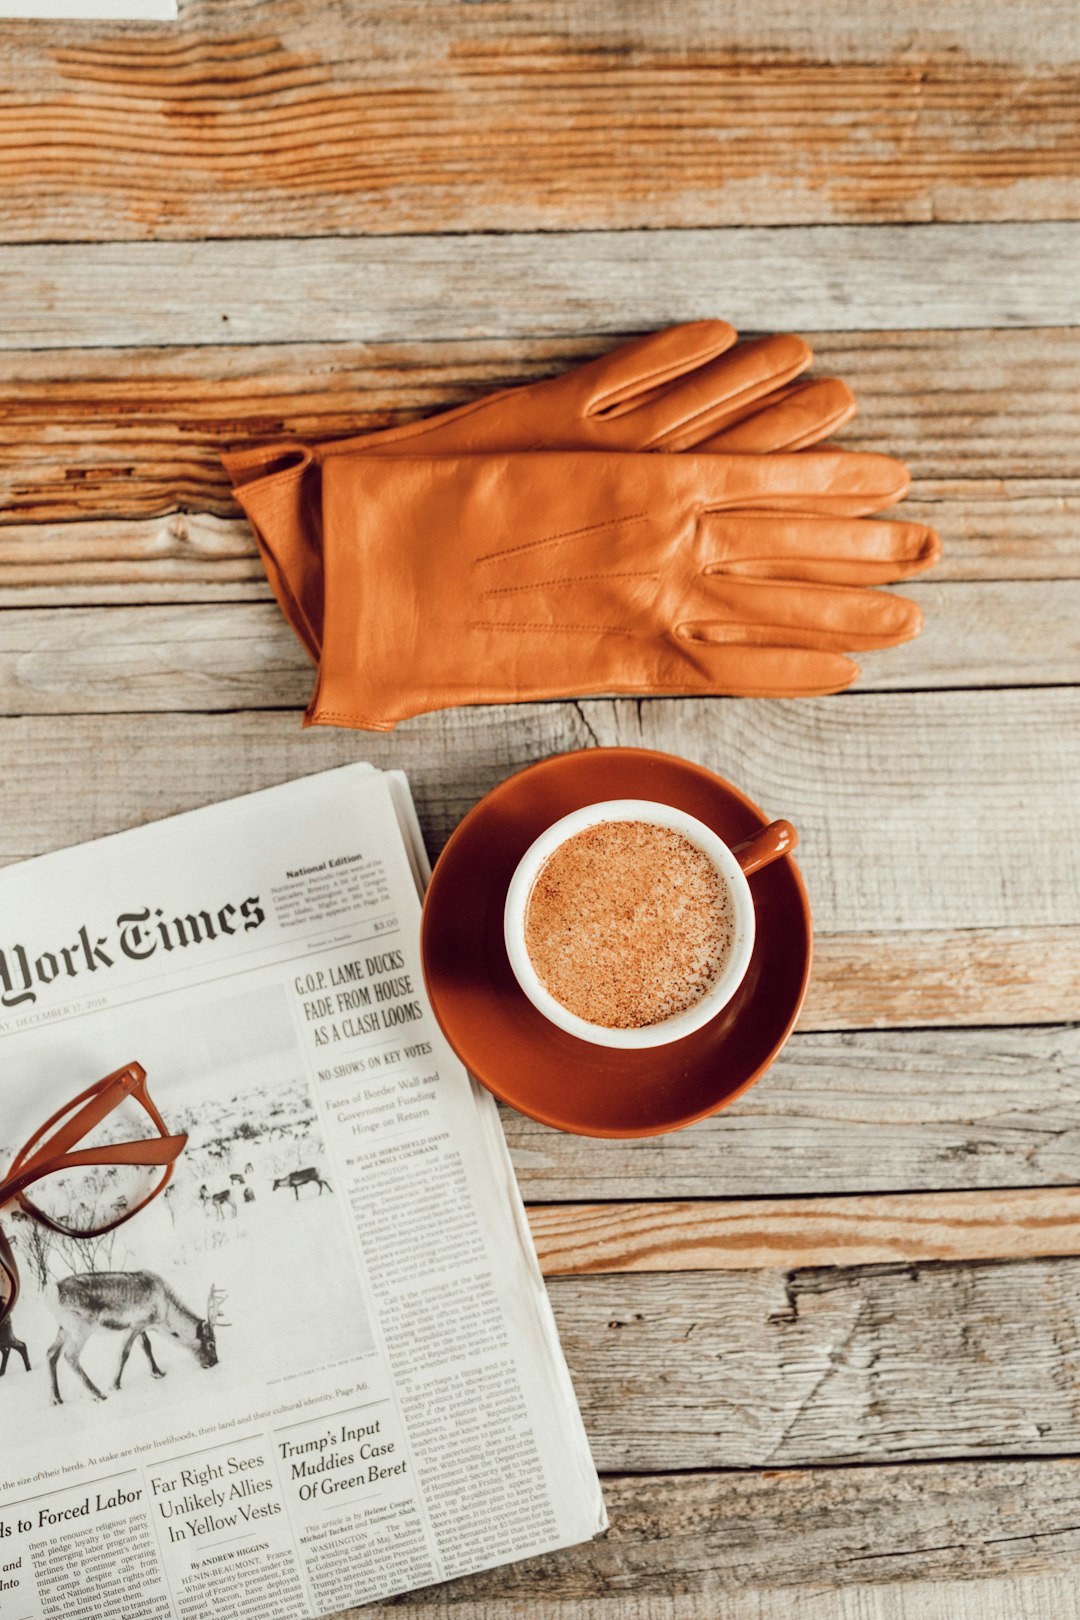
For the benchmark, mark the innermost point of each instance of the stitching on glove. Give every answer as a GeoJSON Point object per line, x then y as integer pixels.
{"type": "Point", "coordinates": [351, 718]}
{"type": "Point", "coordinates": [570, 579]}
{"type": "Point", "coordinates": [592, 629]}
{"type": "Point", "coordinates": [555, 539]}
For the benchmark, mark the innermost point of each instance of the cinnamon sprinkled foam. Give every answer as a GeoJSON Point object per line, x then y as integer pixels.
{"type": "Point", "coordinates": [628, 924]}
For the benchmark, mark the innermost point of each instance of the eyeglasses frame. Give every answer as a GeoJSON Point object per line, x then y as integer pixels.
{"type": "Point", "coordinates": [57, 1152]}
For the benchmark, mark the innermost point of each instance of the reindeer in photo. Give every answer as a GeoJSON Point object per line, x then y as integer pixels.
{"type": "Point", "coordinates": [8, 1343]}
{"type": "Point", "coordinates": [219, 1202]}
{"type": "Point", "coordinates": [128, 1302]}
{"type": "Point", "coordinates": [301, 1178]}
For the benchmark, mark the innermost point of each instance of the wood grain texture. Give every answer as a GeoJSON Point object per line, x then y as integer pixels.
{"type": "Point", "coordinates": [93, 660]}
{"type": "Point", "coordinates": [876, 783]}
{"type": "Point", "coordinates": [207, 657]}
{"type": "Point", "coordinates": [717, 1539]}
{"type": "Point", "coordinates": [998, 1598]}
{"type": "Point", "coordinates": [855, 1112]}
{"type": "Point", "coordinates": [182, 557]}
{"type": "Point", "coordinates": [843, 278]}
{"type": "Point", "coordinates": [577, 1240]}
{"type": "Point", "coordinates": [1019, 633]}
{"type": "Point", "coordinates": [955, 976]}
{"type": "Point", "coordinates": [1001, 528]}
{"type": "Point", "coordinates": [392, 118]}
{"type": "Point", "coordinates": [756, 1369]}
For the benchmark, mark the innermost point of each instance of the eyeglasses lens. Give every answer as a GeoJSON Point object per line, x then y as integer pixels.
{"type": "Point", "coordinates": [85, 1198]}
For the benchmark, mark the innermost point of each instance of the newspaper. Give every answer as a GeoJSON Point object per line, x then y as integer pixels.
{"type": "Point", "coordinates": [386, 1404]}
{"type": "Point", "coordinates": [86, 10]}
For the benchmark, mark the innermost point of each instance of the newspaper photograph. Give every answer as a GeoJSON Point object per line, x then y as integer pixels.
{"type": "Point", "coordinates": [321, 1368]}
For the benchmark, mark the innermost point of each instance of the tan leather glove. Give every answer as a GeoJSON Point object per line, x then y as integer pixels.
{"type": "Point", "coordinates": [497, 578]}
{"type": "Point", "coordinates": [689, 386]}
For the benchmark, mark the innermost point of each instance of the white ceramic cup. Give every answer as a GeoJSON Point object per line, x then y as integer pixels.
{"type": "Point", "coordinates": [756, 852]}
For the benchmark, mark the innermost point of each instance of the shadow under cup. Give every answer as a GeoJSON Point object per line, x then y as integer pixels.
{"type": "Point", "coordinates": [518, 1053]}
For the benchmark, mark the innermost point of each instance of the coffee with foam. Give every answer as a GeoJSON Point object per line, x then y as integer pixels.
{"type": "Point", "coordinates": [628, 924]}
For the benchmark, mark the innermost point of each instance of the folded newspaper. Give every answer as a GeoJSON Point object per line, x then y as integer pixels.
{"type": "Point", "coordinates": [386, 1403]}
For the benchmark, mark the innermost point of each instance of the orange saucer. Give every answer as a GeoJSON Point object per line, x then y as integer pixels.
{"type": "Point", "coordinates": [512, 1049]}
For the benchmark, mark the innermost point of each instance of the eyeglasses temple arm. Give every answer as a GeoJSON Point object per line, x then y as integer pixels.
{"type": "Point", "coordinates": [103, 1097]}
{"type": "Point", "coordinates": [149, 1151]}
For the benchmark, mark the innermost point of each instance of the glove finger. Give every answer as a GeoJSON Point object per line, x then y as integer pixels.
{"type": "Point", "coordinates": [840, 483]}
{"type": "Point", "coordinates": [703, 400]}
{"type": "Point", "coordinates": [550, 414]}
{"type": "Point", "coordinates": [578, 409]}
{"type": "Point", "coordinates": [793, 418]}
{"type": "Point", "coordinates": [833, 551]}
{"type": "Point", "coordinates": [833, 618]}
{"type": "Point", "coordinates": [616, 381]}
{"type": "Point", "coordinates": [701, 665]}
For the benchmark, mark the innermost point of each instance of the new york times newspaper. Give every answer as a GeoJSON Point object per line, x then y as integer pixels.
{"type": "Point", "coordinates": [320, 1368]}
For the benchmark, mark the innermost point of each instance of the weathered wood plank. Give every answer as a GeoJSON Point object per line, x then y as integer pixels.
{"type": "Point", "coordinates": [376, 289]}
{"type": "Point", "coordinates": [998, 1598]}
{"type": "Point", "coordinates": [910, 806]}
{"type": "Point", "coordinates": [98, 774]}
{"type": "Point", "coordinates": [988, 422]}
{"type": "Point", "coordinates": [1003, 529]}
{"type": "Point", "coordinates": [995, 975]}
{"type": "Point", "coordinates": [377, 119]}
{"type": "Point", "coordinates": [847, 1113]}
{"type": "Point", "coordinates": [757, 1369]}
{"type": "Point", "coordinates": [577, 1240]}
{"type": "Point", "coordinates": [92, 660]}
{"type": "Point", "coordinates": [943, 978]}
{"type": "Point", "coordinates": [762, 1538]}
{"type": "Point", "coordinates": [100, 660]}
{"type": "Point", "coordinates": [184, 557]}
{"type": "Point", "coordinates": [917, 811]}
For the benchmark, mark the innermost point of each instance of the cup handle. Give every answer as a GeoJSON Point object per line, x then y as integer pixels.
{"type": "Point", "coordinates": [778, 838]}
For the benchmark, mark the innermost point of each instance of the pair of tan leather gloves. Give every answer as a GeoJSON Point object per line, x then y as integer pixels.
{"type": "Point", "coordinates": [534, 545]}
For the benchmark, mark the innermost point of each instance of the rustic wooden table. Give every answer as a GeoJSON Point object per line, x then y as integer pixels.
{"type": "Point", "coordinates": [827, 1344]}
